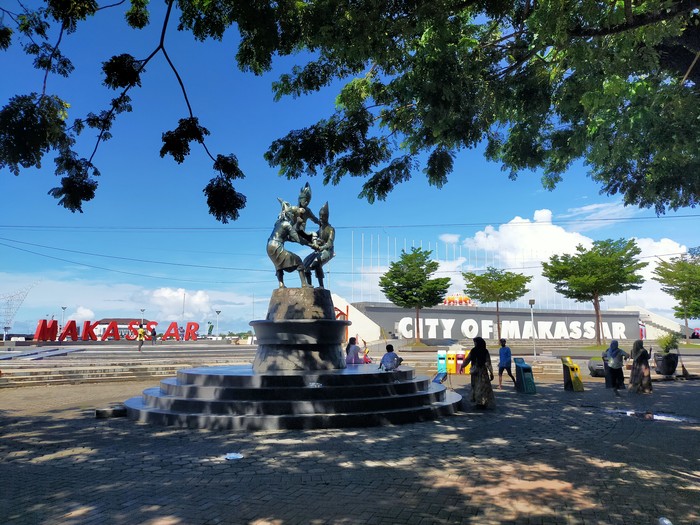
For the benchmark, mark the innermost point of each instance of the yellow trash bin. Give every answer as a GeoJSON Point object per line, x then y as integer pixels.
{"type": "Point", "coordinates": [451, 363]}
{"type": "Point", "coordinates": [572, 375]}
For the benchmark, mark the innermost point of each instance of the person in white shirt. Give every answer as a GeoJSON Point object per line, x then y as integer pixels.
{"type": "Point", "coordinates": [352, 353]}
{"type": "Point", "coordinates": [390, 360]}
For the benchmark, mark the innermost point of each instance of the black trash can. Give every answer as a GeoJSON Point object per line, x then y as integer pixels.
{"type": "Point", "coordinates": [606, 368]}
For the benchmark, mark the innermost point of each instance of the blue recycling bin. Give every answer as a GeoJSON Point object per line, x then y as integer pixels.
{"type": "Point", "coordinates": [524, 379]}
{"type": "Point", "coordinates": [442, 361]}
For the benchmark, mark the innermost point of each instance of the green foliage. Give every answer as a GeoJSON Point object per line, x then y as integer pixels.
{"type": "Point", "coordinates": [137, 16]}
{"type": "Point", "coordinates": [177, 142]}
{"type": "Point", "coordinates": [77, 186]}
{"type": "Point", "coordinates": [5, 37]}
{"type": "Point", "coordinates": [224, 201]}
{"type": "Point", "coordinates": [70, 12]}
{"type": "Point", "coordinates": [122, 71]}
{"type": "Point", "coordinates": [408, 282]}
{"type": "Point", "coordinates": [680, 278]}
{"type": "Point", "coordinates": [668, 342]}
{"type": "Point", "coordinates": [543, 84]}
{"type": "Point", "coordinates": [31, 125]}
{"type": "Point", "coordinates": [540, 84]}
{"type": "Point", "coordinates": [496, 286]}
{"type": "Point", "coordinates": [609, 268]}
{"type": "Point", "coordinates": [48, 58]}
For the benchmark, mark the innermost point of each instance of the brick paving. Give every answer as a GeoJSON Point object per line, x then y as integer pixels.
{"type": "Point", "coordinates": [551, 458]}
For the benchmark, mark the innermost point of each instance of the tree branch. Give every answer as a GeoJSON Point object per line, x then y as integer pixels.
{"type": "Point", "coordinates": [53, 54]}
{"type": "Point", "coordinates": [680, 8]}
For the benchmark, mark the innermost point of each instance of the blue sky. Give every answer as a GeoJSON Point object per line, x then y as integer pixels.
{"type": "Point", "coordinates": [147, 240]}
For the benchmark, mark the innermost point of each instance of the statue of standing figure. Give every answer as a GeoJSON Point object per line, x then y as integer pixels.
{"type": "Point", "coordinates": [301, 213]}
{"type": "Point", "coordinates": [323, 245]}
{"type": "Point", "coordinates": [291, 226]}
{"type": "Point", "coordinates": [283, 259]}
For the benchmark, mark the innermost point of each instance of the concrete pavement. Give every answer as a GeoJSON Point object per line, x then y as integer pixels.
{"type": "Point", "coordinates": [555, 457]}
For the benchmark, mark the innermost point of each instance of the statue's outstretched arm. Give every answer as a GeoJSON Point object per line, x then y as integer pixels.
{"type": "Point", "coordinates": [310, 215]}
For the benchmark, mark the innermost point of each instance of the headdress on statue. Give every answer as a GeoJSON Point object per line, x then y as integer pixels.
{"type": "Point", "coordinates": [323, 212]}
{"type": "Point", "coordinates": [286, 208]}
{"type": "Point", "coordinates": [305, 193]}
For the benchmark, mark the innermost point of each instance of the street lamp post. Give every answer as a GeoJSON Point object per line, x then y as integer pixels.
{"type": "Point", "coordinates": [532, 321]}
{"type": "Point", "coordinates": [63, 319]}
{"type": "Point", "coordinates": [142, 310]}
{"type": "Point", "coordinates": [217, 322]}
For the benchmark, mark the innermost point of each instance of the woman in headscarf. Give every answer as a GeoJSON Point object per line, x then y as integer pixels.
{"type": "Point", "coordinates": [640, 377]}
{"type": "Point", "coordinates": [481, 374]}
{"type": "Point", "coordinates": [615, 355]}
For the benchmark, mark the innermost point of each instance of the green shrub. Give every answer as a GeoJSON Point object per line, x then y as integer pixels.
{"type": "Point", "coordinates": [669, 342]}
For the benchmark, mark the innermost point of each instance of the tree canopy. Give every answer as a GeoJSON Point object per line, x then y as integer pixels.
{"type": "Point", "coordinates": [408, 283]}
{"type": "Point", "coordinates": [496, 286]}
{"type": "Point", "coordinates": [680, 278]}
{"type": "Point", "coordinates": [542, 84]}
{"type": "Point", "coordinates": [609, 268]}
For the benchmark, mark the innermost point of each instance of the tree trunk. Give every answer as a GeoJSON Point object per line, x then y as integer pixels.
{"type": "Point", "coordinates": [417, 325]}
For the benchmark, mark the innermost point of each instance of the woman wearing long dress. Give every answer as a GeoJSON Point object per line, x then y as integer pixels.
{"type": "Point", "coordinates": [640, 375]}
{"type": "Point", "coordinates": [481, 374]}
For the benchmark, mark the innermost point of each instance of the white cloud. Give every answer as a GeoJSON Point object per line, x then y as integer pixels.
{"type": "Point", "coordinates": [86, 300]}
{"type": "Point", "coordinates": [521, 245]}
{"type": "Point", "coordinates": [518, 245]}
{"type": "Point", "coordinates": [595, 216]}
{"type": "Point", "coordinates": [81, 314]}
{"type": "Point", "coordinates": [650, 296]}
{"type": "Point", "coordinates": [449, 238]}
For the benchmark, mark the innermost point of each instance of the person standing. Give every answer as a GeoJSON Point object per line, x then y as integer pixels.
{"type": "Point", "coordinates": [154, 336]}
{"type": "Point", "coordinates": [481, 374]}
{"type": "Point", "coordinates": [352, 352]}
{"type": "Point", "coordinates": [615, 356]}
{"type": "Point", "coordinates": [504, 362]}
{"type": "Point", "coordinates": [140, 336]}
{"type": "Point", "coordinates": [640, 376]}
{"type": "Point", "coordinates": [323, 245]}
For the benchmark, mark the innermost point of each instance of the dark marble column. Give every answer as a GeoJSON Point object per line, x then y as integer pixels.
{"type": "Point", "coordinates": [300, 332]}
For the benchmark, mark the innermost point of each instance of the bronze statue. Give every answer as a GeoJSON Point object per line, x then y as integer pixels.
{"type": "Point", "coordinates": [323, 245]}
{"type": "Point", "coordinates": [283, 259]}
{"type": "Point", "coordinates": [301, 213]}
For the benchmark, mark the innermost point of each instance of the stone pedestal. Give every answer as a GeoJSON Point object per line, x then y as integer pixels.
{"type": "Point", "coordinates": [300, 332]}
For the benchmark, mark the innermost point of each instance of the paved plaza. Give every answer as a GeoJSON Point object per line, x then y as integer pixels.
{"type": "Point", "coordinates": [554, 457]}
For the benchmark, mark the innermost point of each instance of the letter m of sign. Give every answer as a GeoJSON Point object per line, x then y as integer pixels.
{"type": "Point", "coordinates": [46, 330]}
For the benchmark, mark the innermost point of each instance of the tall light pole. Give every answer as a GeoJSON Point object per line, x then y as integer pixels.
{"type": "Point", "coordinates": [532, 321]}
{"type": "Point", "coordinates": [63, 320]}
{"type": "Point", "coordinates": [217, 322]}
{"type": "Point", "coordinates": [142, 310]}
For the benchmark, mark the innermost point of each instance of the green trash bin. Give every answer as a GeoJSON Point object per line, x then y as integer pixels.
{"type": "Point", "coordinates": [524, 380]}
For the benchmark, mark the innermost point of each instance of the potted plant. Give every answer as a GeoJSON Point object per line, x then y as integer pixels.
{"type": "Point", "coordinates": [666, 361]}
